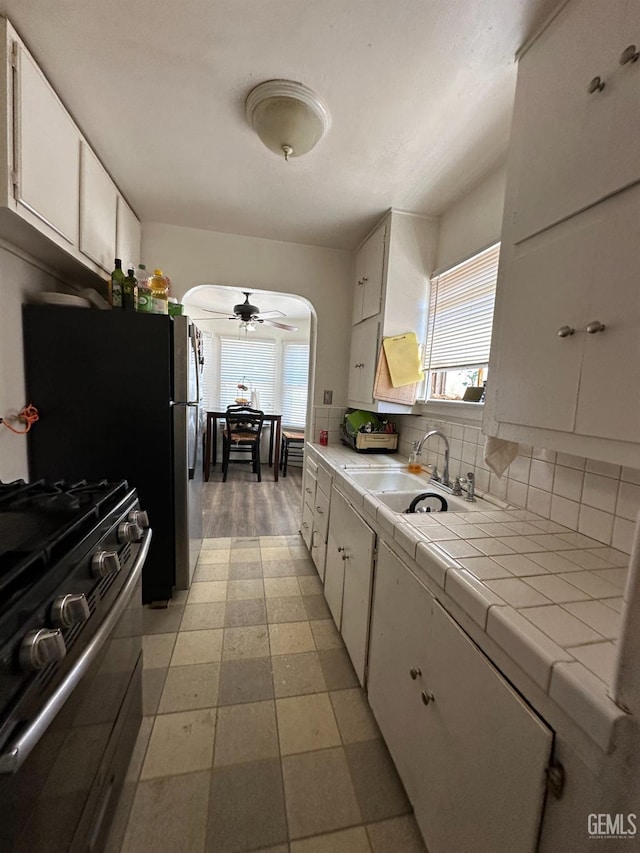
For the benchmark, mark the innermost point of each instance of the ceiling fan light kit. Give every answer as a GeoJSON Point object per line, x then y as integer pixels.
{"type": "Point", "coordinates": [288, 117]}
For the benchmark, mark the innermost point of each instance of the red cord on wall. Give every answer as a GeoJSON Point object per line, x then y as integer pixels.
{"type": "Point", "coordinates": [28, 415]}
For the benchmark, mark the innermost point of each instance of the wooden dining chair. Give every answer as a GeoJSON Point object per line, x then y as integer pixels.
{"type": "Point", "coordinates": [242, 433]}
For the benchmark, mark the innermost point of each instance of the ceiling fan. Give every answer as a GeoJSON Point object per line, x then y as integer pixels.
{"type": "Point", "coordinates": [249, 315]}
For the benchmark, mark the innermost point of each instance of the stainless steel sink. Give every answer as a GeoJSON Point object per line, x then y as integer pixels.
{"type": "Point", "coordinates": [400, 501]}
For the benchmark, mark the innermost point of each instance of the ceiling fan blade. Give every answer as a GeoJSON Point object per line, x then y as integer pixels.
{"type": "Point", "coordinates": [266, 315]}
{"type": "Point", "coordinates": [280, 325]}
{"type": "Point", "coordinates": [223, 315]}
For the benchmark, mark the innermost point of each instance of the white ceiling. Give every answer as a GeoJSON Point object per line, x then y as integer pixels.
{"type": "Point", "coordinates": [420, 95]}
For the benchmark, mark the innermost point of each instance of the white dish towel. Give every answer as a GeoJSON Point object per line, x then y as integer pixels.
{"type": "Point", "coordinates": [499, 454]}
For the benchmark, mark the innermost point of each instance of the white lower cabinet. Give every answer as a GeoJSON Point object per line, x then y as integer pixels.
{"type": "Point", "coordinates": [349, 576]}
{"type": "Point", "coordinates": [471, 753]}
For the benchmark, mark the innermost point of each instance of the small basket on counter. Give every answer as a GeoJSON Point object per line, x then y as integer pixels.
{"type": "Point", "coordinates": [364, 432]}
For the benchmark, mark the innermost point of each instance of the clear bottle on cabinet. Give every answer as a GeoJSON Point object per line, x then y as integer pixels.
{"type": "Point", "coordinates": [159, 292]}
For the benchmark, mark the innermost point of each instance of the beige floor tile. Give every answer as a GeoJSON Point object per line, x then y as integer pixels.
{"type": "Point", "coordinates": [199, 617]}
{"type": "Point", "coordinates": [214, 555]}
{"type": "Point", "coordinates": [281, 587]}
{"type": "Point", "coordinates": [251, 641]}
{"type": "Point", "coordinates": [289, 609]}
{"type": "Point", "coordinates": [279, 553]}
{"type": "Point", "coordinates": [346, 841]}
{"type": "Point", "coordinates": [355, 719]}
{"type": "Point", "coordinates": [190, 687]}
{"type": "Point", "coordinates": [243, 555]}
{"type": "Point", "coordinates": [211, 572]}
{"type": "Point", "coordinates": [311, 585]}
{"type": "Point", "coordinates": [274, 541]}
{"type": "Point", "coordinates": [179, 596]}
{"type": "Point", "coordinates": [246, 733]}
{"type": "Point", "coordinates": [207, 591]}
{"type": "Point", "coordinates": [217, 542]}
{"type": "Point", "coordinates": [289, 638]}
{"type": "Point", "coordinates": [326, 634]}
{"type": "Point", "coordinates": [162, 620]}
{"type": "Point", "coordinates": [295, 675]}
{"type": "Point", "coordinates": [298, 552]}
{"type": "Point", "coordinates": [169, 815]}
{"type": "Point", "coordinates": [140, 749]}
{"type": "Point", "coordinates": [197, 647]}
{"type": "Point", "coordinates": [243, 590]}
{"type": "Point", "coordinates": [157, 650]}
{"type": "Point", "coordinates": [278, 568]}
{"type": "Point", "coordinates": [395, 835]}
{"type": "Point", "coordinates": [180, 743]}
{"type": "Point", "coordinates": [306, 723]}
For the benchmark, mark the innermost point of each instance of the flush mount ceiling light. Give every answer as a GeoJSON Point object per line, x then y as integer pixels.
{"type": "Point", "coordinates": [288, 117]}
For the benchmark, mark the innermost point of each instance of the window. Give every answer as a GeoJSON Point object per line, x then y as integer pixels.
{"type": "Point", "coordinates": [295, 370]}
{"type": "Point", "coordinates": [207, 376]}
{"type": "Point", "coordinates": [255, 362]}
{"type": "Point", "coordinates": [459, 326]}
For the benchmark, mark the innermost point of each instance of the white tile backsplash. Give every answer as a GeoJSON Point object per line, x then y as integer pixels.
{"type": "Point", "coordinates": [600, 492]}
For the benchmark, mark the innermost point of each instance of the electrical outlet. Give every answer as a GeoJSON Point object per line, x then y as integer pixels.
{"type": "Point", "coordinates": [328, 398]}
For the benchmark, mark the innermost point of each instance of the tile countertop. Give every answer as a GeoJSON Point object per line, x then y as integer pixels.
{"type": "Point", "coordinates": [549, 597]}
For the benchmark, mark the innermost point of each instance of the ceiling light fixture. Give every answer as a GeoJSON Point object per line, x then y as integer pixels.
{"type": "Point", "coordinates": [288, 117]}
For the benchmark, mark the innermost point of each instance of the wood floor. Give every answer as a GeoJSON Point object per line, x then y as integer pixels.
{"type": "Point", "coordinates": [244, 507]}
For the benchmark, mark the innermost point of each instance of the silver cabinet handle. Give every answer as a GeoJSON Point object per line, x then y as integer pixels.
{"type": "Point", "coordinates": [14, 756]}
{"type": "Point", "coordinates": [565, 331]}
{"type": "Point", "coordinates": [427, 697]}
{"type": "Point", "coordinates": [629, 54]}
{"type": "Point", "coordinates": [595, 327]}
{"type": "Point", "coordinates": [596, 85]}
{"type": "Point", "coordinates": [415, 672]}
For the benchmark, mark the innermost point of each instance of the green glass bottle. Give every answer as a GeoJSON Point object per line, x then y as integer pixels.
{"type": "Point", "coordinates": [130, 292]}
{"type": "Point", "coordinates": [116, 285]}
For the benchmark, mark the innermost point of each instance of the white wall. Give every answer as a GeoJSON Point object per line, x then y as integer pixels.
{"type": "Point", "coordinates": [473, 222]}
{"type": "Point", "coordinates": [20, 278]}
{"type": "Point", "coordinates": [322, 276]}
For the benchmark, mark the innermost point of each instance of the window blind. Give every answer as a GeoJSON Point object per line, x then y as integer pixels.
{"type": "Point", "coordinates": [252, 360]}
{"type": "Point", "coordinates": [461, 313]}
{"type": "Point", "coordinates": [295, 372]}
{"type": "Point", "coordinates": [207, 377]}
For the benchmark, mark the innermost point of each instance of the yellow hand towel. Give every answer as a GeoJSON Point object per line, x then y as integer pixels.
{"type": "Point", "coordinates": [499, 454]}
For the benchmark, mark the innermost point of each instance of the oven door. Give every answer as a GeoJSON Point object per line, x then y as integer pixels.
{"type": "Point", "coordinates": [60, 778]}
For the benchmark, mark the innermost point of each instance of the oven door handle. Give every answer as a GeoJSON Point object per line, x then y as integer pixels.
{"type": "Point", "coordinates": [15, 755]}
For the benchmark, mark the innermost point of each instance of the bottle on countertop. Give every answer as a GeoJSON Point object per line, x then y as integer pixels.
{"type": "Point", "coordinates": [116, 284]}
{"type": "Point", "coordinates": [145, 302]}
{"type": "Point", "coordinates": [159, 292]}
{"type": "Point", "coordinates": [415, 461]}
{"type": "Point", "coordinates": [130, 292]}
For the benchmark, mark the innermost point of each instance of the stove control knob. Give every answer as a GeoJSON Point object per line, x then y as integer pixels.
{"type": "Point", "coordinates": [105, 563]}
{"type": "Point", "coordinates": [139, 517]}
{"type": "Point", "coordinates": [68, 610]}
{"type": "Point", "coordinates": [41, 647]}
{"type": "Point", "coordinates": [129, 531]}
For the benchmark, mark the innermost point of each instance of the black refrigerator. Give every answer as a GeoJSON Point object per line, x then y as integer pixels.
{"type": "Point", "coordinates": [118, 396]}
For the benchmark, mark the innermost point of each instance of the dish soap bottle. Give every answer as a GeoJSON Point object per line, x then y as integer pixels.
{"type": "Point", "coordinates": [415, 464]}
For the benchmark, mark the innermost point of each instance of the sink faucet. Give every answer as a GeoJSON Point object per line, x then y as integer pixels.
{"type": "Point", "coordinates": [445, 474]}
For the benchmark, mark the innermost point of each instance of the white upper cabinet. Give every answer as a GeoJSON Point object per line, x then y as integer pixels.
{"type": "Point", "coordinates": [98, 206]}
{"type": "Point", "coordinates": [567, 316]}
{"type": "Point", "coordinates": [64, 205]}
{"type": "Point", "coordinates": [127, 236]}
{"type": "Point", "coordinates": [369, 271]}
{"type": "Point", "coordinates": [47, 151]}
{"type": "Point", "coordinates": [392, 269]}
{"type": "Point", "coordinates": [577, 114]}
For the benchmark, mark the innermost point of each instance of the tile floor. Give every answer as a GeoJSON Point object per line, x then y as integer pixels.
{"type": "Point", "coordinates": [256, 735]}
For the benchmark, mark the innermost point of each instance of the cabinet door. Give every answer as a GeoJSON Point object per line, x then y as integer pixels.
{"type": "Point", "coordinates": [306, 526]}
{"type": "Point", "coordinates": [98, 203]}
{"type": "Point", "coordinates": [127, 236]}
{"type": "Point", "coordinates": [356, 597]}
{"type": "Point", "coordinates": [321, 514]}
{"type": "Point", "coordinates": [47, 152]}
{"type": "Point", "coordinates": [369, 276]}
{"type": "Point", "coordinates": [339, 536]}
{"type": "Point", "coordinates": [574, 147]}
{"type": "Point", "coordinates": [399, 637]}
{"type": "Point", "coordinates": [309, 487]}
{"type": "Point", "coordinates": [486, 753]}
{"type": "Point", "coordinates": [363, 361]}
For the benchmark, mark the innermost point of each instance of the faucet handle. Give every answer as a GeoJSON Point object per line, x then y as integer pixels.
{"type": "Point", "coordinates": [457, 488]}
{"type": "Point", "coordinates": [435, 476]}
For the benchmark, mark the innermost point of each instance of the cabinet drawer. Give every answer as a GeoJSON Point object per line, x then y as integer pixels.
{"type": "Point", "coordinates": [306, 527]}
{"type": "Point", "coordinates": [319, 553]}
{"type": "Point", "coordinates": [309, 487]}
{"type": "Point", "coordinates": [321, 514]}
{"type": "Point", "coordinates": [324, 479]}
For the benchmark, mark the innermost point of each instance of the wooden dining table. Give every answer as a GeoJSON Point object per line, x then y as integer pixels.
{"type": "Point", "coordinates": [211, 435]}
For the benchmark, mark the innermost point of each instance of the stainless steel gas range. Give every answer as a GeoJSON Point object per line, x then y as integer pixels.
{"type": "Point", "coordinates": [71, 558]}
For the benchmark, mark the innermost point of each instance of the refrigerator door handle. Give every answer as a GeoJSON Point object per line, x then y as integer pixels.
{"type": "Point", "coordinates": [190, 403]}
